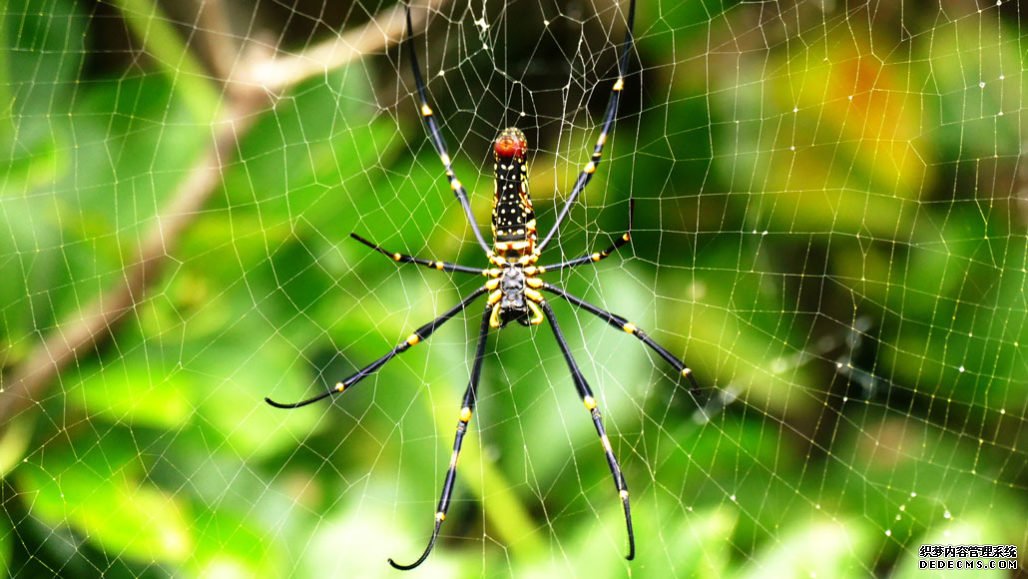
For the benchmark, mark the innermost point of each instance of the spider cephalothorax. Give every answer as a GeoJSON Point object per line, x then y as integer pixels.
{"type": "Point", "coordinates": [515, 295]}
{"type": "Point", "coordinates": [513, 283]}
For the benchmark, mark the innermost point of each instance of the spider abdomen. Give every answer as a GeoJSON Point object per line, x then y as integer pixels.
{"type": "Point", "coordinates": [514, 229]}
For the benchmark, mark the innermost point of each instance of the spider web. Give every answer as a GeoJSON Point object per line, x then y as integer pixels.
{"type": "Point", "coordinates": [829, 228]}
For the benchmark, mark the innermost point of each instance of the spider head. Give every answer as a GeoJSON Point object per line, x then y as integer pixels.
{"type": "Point", "coordinates": [511, 144]}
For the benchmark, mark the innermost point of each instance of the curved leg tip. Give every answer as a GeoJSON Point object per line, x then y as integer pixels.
{"type": "Point", "coordinates": [396, 565]}
{"type": "Point", "coordinates": [392, 563]}
{"type": "Point", "coordinates": [425, 554]}
{"type": "Point", "coordinates": [304, 402]}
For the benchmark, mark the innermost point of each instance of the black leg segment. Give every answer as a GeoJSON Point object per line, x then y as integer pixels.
{"type": "Point", "coordinates": [466, 410]}
{"type": "Point", "coordinates": [431, 264]}
{"type": "Point", "coordinates": [437, 138]}
{"type": "Point", "coordinates": [417, 337]}
{"type": "Point", "coordinates": [608, 121]}
{"type": "Point", "coordinates": [586, 394]}
{"type": "Point", "coordinates": [628, 327]}
{"type": "Point", "coordinates": [599, 255]}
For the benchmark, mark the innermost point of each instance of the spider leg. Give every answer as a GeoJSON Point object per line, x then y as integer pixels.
{"type": "Point", "coordinates": [586, 394]}
{"type": "Point", "coordinates": [600, 255]}
{"type": "Point", "coordinates": [437, 139]}
{"type": "Point", "coordinates": [608, 121]}
{"type": "Point", "coordinates": [418, 336]}
{"type": "Point", "coordinates": [623, 324]}
{"type": "Point", "coordinates": [467, 408]}
{"type": "Point", "coordinates": [403, 258]}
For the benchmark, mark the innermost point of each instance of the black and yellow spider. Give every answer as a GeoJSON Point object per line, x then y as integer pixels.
{"type": "Point", "coordinates": [514, 281]}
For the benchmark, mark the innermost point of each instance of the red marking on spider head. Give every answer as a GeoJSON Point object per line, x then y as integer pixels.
{"type": "Point", "coordinates": [510, 143]}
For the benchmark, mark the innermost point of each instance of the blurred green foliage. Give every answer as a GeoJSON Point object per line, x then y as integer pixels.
{"type": "Point", "coordinates": [830, 224]}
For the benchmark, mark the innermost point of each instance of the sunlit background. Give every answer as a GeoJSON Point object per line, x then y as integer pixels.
{"type": "Point", "coordinates": [830, 228]}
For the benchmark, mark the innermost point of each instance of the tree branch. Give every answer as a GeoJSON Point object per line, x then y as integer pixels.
{"type": "Point", "coordinates": [214, 38]}
{"type": "Point", "coordinates": [386, 29]}
{"type": "Point", "coordinates": [246, 98]}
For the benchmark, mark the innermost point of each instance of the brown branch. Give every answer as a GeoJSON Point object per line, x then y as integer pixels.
{"type": "Point", "coordinates": [386, 29]}
{"type": "Point", "coordinates": [30, 379]}
{"type": "Point", "coordinates": [246, 98]}
{"type": "Point", "coordinates": [213, 37]}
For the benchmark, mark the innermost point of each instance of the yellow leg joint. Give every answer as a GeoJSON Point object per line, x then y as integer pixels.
{"type": "Point", "coordinates": [495, 297]}
{"type": "Point", "coordinates": [494, 318]}
{"type": "Point", "coordinates": [465, 415]}
{"type": "Point", "coordinates": [630, 328]}
{"type": "Point", "coordinates": [537, 314]}
{"type": "Point", "coordinates": [413, 339]}
{"type": "Point", "coordinates": [590, 403]}
{"type": "Point", "coordinates": [426, 110]}
{"type": "Point", "coordinates": [620, 84]}
{"type": "Point", "coordinates": [440, 516]}
{"type": "Point", "coordinates": [340, 386]}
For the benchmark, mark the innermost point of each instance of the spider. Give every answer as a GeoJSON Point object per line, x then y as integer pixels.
{"type": "Point", "coordinates": [513, 281]}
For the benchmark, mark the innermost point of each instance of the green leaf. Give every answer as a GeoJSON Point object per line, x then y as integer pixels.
{"type": "Point", "coordinates": [977, 81]}
{"type": "Point", "coordinates": [975, 529]}
{"type": "Point", "coordinates": [14, 441]}
{"type": "Point", "coordinates": [908, 483]}
{"type": "Point", "coordinates": [134, 146]}
{"type": "Point", "coordinates": [232, 375]}
{"type": "Point", "coordinates": [154, 29]}
{"type": "Point", "coordinates": [356, 540]}
{"type": "Point", "coordinates": [6, 545]}
{"type": "Point", "coordinates": [700, 546]}
{"type": "Point", "coordinates": [305, 158]}
{"type": "Point", "coordinates": [230, 546]}
{"type": "Point", "coordinates": [729, 299]}
{"type": "Point", "coordinates": [830, 142]}
{"type": "Point", "coordinates": [98, 492]}
{"type": "Point", "coordinates": [141, 388]}
{"type": "Point", "coordinates": [673, 27]}
{"type": "Point", "coordinates": [966, 342]}
{"type": "Point", "coordinates": [30, 264]}
{"type": "Point", "coordinates": [820, 547]}
{"type": "Point", "coordinates": [62, 245]}
{"type": "Point", "coordinates": [43, 43]}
